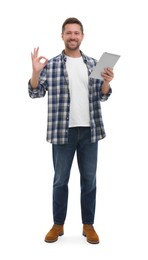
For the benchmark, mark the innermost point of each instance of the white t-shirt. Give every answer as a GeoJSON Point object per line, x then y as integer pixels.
{"type": "Point", "coordinates": [78, 87]}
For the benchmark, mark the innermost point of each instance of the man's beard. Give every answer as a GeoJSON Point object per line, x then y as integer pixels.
{"type": "Point", "coordinates": [72, 48]}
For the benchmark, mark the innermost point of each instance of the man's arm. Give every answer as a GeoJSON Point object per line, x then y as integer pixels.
{"type": "Point", "coordinates": [107, 75]}
{"type": "Point", "coordinates": [34, 81]}
{"type": "Point", "coordinates": [105, 88]}
{"type": "Point", "coordinates": [37, 66]}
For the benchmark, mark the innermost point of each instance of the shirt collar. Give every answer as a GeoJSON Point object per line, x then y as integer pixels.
{"type": "Point", "coordinates": [85, 59]}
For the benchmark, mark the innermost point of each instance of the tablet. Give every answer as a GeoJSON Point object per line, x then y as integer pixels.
{"type": "Point", "coordinates": [106, 60]}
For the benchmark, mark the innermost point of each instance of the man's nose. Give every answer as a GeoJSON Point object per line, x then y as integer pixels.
{"type": "Point", "coordinates": [72, 36]}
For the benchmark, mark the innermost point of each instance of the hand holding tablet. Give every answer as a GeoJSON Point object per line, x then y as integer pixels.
{"type": "Point", "coordinates": [107, 60]}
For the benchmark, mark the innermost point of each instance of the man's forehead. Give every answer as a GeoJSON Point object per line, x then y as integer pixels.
{"type": "Point", "coordinates": [72, 27]}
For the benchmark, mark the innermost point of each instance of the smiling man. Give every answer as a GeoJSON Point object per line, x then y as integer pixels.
{"type": "Point", "coordinates": [74, 124]}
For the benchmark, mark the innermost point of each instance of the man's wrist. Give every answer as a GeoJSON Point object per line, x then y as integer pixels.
{"type": "Point", "coordinates": [105, 88]}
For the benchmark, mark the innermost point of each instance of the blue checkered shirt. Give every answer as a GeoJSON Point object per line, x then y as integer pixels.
{"type": "Point", "coordinates": [54, 80]}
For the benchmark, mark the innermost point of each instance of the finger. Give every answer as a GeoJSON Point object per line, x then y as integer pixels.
{"type": "Point", "coordinates": [42, 58]}
{"type": "Point", "coordinates": [34, 53]}
{"type": "Point", "coordinates": [106, 77]}
{"type": "Point", "coordinates": [45, 63]}
{"type": "Point", "coordinates": [110, 69]}
{"type": "Point", "coordinates": [32, 56]}
{"type": "Point", "coordinates": [104, 74]}
{"type": "Point", "coordinates": [36, 50]}
{"type": "Point", "coordinates": [109, 72]}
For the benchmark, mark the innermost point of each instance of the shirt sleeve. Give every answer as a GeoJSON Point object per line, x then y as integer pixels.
{"type": "Point", "coordinates": [104, 97]}
{"type": "Point", "coordinates": [40, 91]}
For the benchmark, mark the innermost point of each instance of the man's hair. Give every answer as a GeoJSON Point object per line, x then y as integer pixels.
{"type": "Point", "coordinates": [72, 20]}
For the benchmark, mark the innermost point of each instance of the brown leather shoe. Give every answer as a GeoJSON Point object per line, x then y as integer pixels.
{"type": "Point", "coordinates": [90, 234]}
{"type": "Point", "coordinates": [55, 231]}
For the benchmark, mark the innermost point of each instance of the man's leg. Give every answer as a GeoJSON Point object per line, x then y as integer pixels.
{"type": "Point", "coordinates": [87, 162]}
{"type": "Point", "coordinates": [62, 159]}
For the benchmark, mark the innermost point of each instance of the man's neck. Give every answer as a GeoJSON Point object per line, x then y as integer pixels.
{"type": "Point", "coordinates": [74, 54]}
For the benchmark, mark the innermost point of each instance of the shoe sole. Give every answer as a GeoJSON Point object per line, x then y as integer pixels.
{"type": "Point", "coordinates": [89, 241]}
{"type": "Point", "coordinates": [51, 241]}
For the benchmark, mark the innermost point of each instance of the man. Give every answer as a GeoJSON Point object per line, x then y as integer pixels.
{"type": "Point", "coordinates": [74, 122]}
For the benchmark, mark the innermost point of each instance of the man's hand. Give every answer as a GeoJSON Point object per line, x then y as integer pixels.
{"type": "Point", "coordinates": [107, 75]}
{"type": "Point", "coordinates": [37, 65]}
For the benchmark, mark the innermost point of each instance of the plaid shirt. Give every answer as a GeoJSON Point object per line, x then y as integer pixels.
{"type": "Point", "coordinates": [54, 80]}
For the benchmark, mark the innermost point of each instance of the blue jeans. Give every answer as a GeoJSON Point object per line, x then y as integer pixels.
{"type": "Point", "coordinates": [79, 141]}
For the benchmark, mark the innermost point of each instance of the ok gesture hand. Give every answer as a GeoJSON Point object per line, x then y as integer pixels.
{"type": "Point", "coordinates": [37, 65]}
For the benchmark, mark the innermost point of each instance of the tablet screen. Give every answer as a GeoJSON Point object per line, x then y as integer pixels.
{"type": "Point", "coordinates": [106, 60]}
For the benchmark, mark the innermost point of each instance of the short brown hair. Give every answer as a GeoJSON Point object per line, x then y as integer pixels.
{"type": "Point", "coordinates": [72, 20]}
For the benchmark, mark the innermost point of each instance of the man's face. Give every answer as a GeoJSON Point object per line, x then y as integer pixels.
{"type": "Point", "coordinates": [72, 36]}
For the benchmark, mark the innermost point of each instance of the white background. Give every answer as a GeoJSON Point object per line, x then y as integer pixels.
{"type": "Point", "coordinates": [26, 170]}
